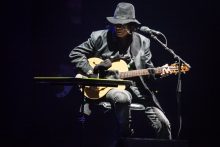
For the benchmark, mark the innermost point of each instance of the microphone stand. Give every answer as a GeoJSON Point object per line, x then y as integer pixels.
{"type": "Point", "coordinates": [179, 83]}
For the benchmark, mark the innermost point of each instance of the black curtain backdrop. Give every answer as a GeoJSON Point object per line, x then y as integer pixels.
{"type": "Point", "coordinates": [39, 35]}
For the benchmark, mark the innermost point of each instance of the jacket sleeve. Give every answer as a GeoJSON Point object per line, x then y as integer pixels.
{"type": "Point", "coordinates": [80, 54]}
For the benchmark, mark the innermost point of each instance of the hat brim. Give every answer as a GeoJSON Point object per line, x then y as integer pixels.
{"type": "Point", "coordinates": [114, 20]}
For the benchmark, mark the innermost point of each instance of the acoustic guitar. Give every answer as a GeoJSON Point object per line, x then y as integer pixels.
{"type": "Point", "coordinates": [94, 92]}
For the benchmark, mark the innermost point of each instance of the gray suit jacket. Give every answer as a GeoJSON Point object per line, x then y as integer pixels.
{"type": "Point", "coordinates": [97, 46]}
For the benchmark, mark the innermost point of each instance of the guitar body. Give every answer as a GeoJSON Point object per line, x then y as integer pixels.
{"type": "Point", "coordinates": [94, 92]}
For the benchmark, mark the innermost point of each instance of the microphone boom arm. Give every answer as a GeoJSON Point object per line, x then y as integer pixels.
{"type": "Point", "coordinates": [170, 50]}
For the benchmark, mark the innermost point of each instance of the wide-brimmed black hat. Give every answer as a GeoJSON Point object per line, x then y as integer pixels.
{"type": "Point", "coordinates": [124, 13]}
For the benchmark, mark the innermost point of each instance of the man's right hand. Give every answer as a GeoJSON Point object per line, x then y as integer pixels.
{"type": "Point", "coordinates": [104, 65]}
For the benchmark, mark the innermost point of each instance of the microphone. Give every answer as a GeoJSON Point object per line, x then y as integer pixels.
{"type": "Point", "coordinates": [148, 30]}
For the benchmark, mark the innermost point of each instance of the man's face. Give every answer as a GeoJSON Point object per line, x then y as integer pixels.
{"type": "Point", "coordinates": [121, 30]}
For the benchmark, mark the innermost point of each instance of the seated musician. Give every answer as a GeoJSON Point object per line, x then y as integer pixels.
{"type": "Point", "coordinates": [122, 43]}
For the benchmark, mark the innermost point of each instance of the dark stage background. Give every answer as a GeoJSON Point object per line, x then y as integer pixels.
{"type": "Point", "coordinates": [37, 39]}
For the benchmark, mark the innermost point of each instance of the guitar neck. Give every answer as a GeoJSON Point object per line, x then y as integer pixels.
{"type": "Point", "coordinates": [140, 72]}
{"type": "Point", "coordinates": [122, 67]}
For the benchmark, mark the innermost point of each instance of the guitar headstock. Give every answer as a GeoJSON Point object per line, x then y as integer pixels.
{"type": "Point", "coordinates": [174, 68]}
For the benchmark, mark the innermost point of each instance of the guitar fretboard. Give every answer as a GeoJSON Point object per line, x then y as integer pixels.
{"type": "Point", "coordinates": [135, 73]}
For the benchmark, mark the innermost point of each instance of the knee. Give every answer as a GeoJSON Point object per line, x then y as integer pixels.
{"type": "Point", "coordinates": [119, 96]}
{"type": "Point", "coordinates": [122, 97]}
